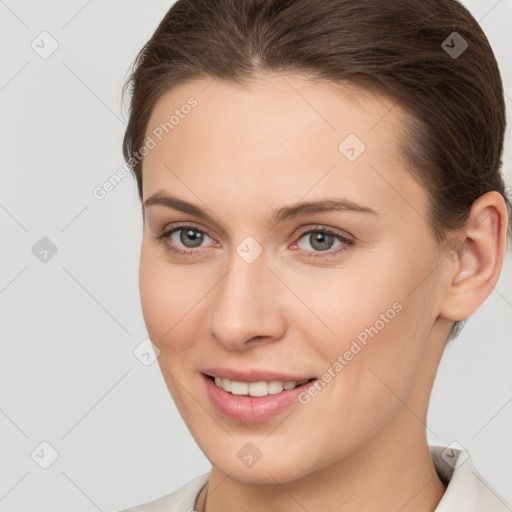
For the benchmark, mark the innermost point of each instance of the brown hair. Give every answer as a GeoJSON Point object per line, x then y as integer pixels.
{"type": "Point", "coordinates": [401, 48]}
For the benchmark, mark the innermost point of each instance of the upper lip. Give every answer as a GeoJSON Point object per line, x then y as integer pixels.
{"type": "Point", "coordinates": [253, 375]}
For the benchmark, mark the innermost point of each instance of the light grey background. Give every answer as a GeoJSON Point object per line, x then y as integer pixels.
{"type": "Point", "coordinates": [68, 375]}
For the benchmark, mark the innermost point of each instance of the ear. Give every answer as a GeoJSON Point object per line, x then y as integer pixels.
{"type": "Point", "coordinates": [476, 258]}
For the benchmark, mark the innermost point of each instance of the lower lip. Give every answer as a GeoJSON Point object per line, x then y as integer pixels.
{"type": "Point", "coordinates": [249, 409]}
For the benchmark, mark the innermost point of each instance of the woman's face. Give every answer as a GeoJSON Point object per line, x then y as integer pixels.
{"type": "Point", "coordinates": [346, 293]}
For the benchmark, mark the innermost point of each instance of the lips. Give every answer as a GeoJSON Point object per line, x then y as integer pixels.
{"type": "Point", "coordinates": [250, 409]}
{"type": "Point", "coordinates": [253, 375]}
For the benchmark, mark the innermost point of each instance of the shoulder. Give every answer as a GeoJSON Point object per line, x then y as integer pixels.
{"type": "Point", "coordinates": [466, 489]}
{"type": "Point", "coordinates": [181, 500]}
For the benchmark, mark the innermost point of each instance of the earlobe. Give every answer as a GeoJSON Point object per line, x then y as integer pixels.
{"type": "Point", "coordinates": [479, 258]}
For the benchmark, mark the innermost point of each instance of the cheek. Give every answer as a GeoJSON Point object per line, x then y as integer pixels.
{"type": "Point", "coordinates": [171, 299]}
{"type": "Point", "coordinates": [154, 293]}
{"type": "Point", "coordinates": [161, 297]}
{"type": "Point", "coordinates": [164, 307]}
{"type": "Point", "coordinates": [380, 325]}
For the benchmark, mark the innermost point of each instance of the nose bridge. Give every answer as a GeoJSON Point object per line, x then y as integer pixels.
{"type": "Point", "coordinates": [244, 304]}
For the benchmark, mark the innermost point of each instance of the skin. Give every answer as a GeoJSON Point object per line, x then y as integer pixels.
{"type": "Point", "coordinates": [240, 154]}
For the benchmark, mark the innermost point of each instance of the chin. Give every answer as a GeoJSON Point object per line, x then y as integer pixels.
{"type": "Point", "coordinates": [276, 466]}
{"type": "Point", "coordinates": [263, 473]}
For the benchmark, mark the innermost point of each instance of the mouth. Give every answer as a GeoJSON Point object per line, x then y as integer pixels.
{"type": "Point", "coordinates": [254, 401]}
{"type": "Point", "coordinates": [256, 389]}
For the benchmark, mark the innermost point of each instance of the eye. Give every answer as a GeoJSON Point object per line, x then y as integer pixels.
{"type": "Point", "coordinates": [183, 239]}
{"type": "Point", "coordinates": [322, 240]}
{"type": "Point", "coordinates": [187, 240]}
{"type": "Point", "coordinates": [189, 237]}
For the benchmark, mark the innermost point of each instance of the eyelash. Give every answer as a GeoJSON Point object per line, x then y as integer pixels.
{"type": "Point", "coordinates": [164, 237]}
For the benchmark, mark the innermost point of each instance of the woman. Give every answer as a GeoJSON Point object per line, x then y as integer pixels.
{"type": "Point", "coordinates": [323, 207]}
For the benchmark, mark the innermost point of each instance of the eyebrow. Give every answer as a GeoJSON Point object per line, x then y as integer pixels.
{"type": "Point", "coordinates": [284, 213]}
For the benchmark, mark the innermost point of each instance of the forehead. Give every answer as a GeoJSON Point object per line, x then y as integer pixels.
{"type": "Point", "coordinates": [276, 130]}
{"type": "Point", "coordinates": [268, 103]}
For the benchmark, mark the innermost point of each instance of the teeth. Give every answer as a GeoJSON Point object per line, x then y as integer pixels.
{"type": "Point", "coordinates": [239, 388]}
{"type": "Point", "coordinates": [256, 389]}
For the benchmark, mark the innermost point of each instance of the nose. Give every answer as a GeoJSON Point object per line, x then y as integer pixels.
{"type": "Point", "coordinates": [247, 305]}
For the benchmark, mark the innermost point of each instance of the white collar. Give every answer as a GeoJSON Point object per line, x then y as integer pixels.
{"type": "Point", "coordinates": [467, 490]}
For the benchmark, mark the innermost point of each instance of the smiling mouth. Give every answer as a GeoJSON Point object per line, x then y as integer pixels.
{"type": "Point", "coordinates": [256, 389]}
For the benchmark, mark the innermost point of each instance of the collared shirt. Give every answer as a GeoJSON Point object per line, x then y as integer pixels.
{"type": "Point", "coordinates": [466, 490]}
